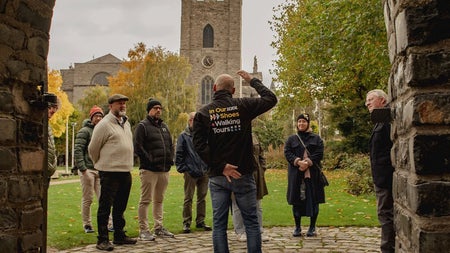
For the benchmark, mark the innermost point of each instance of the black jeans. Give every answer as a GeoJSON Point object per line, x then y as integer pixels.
{"type": "Point", "coordinates": [114, 192]}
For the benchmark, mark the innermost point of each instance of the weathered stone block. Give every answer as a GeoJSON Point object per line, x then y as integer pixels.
{"type": "Point", "coordinates": [8, 243]}
{"type": "Point", "coordinates": [428, 68]}
{"type": "Point", "coordinates": [12, 37]}
{"type": "Point", "coordinates": [16, 67]}
{"type": "Point", "coordinates": [431, 154]}
{"type": "Point", "coordinates": [39, 46]}
{"type": "Point", "coordinates": [32, 219]}
{"type": "Point", "coordinates": [430, 199]}
{"type": "Point", "coordinates": [8, 131]}
{"type": "Point", "coordinates": [8, 218]}
{"type": "Point", "coordinates": [31, 133]}
{"type": "Point", "coordinates": [431, 241]}
{"type": "Point", "coordinates": [31, 241]}
{"type": "Point", "coordinates": [403, 224]}
{"type": "Point", "coordinates": [3, 191]}
{"type": "Point", "coordinates": [431, 109]}
{"type": "Point", "coordinates": [423, 23]}
{"type": "Point", "coordinates": [401, 32]}
{"type": "Point", "coordinates": [22, 190]}
{"type": "Point", "coordinates": [26, 15]}
{"type": "Point", "coordinates": [6, 106]}
{"type": "Point", "coordinates": [400, 155]}
{"type": "Point", "coordinates": [8, 160]}
{"type": "Point", "coordinates": [32, 160]}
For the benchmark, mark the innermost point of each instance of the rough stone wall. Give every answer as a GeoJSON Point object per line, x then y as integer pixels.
{"type": "Point", "coordinates": [419, 45]}
{"type": "Point", "coordinates": [24, 42]}
{"type": "Point", "coordinates": [225, 18]}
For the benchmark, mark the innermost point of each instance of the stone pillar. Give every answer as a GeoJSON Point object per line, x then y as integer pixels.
{"type": "Point", "coordinates": [418, 33]}
{"type": "Point", "coordinates": [24, 42]}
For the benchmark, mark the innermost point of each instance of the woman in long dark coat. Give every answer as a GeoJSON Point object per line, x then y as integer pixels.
{"type": "Point", "coordinates": [305, 191]}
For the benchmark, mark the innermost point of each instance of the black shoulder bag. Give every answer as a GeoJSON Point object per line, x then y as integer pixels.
{"type": "Point", "coordinates": [322, 178]}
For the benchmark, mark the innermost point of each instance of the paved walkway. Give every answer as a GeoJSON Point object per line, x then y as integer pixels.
{"type": "Point", "coordinates": [328, 240]}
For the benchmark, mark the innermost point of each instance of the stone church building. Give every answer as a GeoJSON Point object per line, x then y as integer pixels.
{"type": "Point", "coordinates": [82, 76]}
{"type": "Point", "coordinates": [210, 40]}
{"type": "Point", "coordinates": [418, 38]}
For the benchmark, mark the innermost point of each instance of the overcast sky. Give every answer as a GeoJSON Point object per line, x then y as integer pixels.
{"type": "Point", "coordinates": [85, 29]}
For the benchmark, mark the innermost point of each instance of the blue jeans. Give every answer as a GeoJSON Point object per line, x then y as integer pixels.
{"type": "Point", "coordinates": [244, 190]}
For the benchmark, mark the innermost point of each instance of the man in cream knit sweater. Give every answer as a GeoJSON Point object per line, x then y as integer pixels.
{"type": "Point", "coordinates": [111, 150]}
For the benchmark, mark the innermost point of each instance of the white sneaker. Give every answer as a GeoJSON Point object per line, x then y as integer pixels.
{"type": "Point", "coordinates": [264, 237]}
{"type": "Point", "coordinates": [163, 232]}
{"type": "Point", "coordinates": [146, 236]}
{"type": "Point", "coordinates": [242, 237]}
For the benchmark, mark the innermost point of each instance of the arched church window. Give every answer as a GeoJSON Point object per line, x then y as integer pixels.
{"type": "Point", "coordinates": [207, 89]}
{"type": "Point", "coordinates": [100, 78]}
{"type": "Point", "coordinates": [208, 36]}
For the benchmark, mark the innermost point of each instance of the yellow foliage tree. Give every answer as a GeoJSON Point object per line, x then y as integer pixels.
{"type": "Point", "coordinates": [61, 117]}
{"type": "Point", "coordinates": [160, 74]}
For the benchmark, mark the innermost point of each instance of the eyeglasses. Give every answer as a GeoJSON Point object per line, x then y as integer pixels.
{"type": "Point", "coordinates": [157, 108]}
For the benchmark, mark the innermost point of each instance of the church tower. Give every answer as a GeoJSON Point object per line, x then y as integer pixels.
{"type": "Point", "coordinates": [211, 40]}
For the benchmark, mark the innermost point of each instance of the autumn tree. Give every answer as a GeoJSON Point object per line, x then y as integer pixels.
{"type": "Point", "coordinates": [97, 95]}
{"type": "Point", "coordinates": [332, 52]}
{"type": "Point", "coordinates": [61, 117]}
{"type": "Point", "coordinates": [159, 74]}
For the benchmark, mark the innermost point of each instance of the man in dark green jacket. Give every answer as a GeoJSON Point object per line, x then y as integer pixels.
{"type": "Point", "coordinates": [89, 178]}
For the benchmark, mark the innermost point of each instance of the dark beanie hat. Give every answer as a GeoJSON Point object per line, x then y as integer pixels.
{"type": "Point", "coordinates": [304, 116]}
{"type": "Point", "coordinates": [152, 102]}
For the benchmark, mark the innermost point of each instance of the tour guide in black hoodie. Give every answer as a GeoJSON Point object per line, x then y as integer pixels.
{"type": "Point", "coordinates": [222, 137]}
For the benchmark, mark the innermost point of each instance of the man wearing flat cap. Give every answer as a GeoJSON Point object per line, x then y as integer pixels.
{"type": "Point", "coordinates": [111, 150]}
{"type": "Point", "coordinates": [153, 145]}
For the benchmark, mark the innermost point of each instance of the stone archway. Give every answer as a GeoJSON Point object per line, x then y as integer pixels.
{"type": "Point", "coordinates": [419, 50]}
{"type": "Point", "coordinates": [24, 43]}
{"type": "Point", "coordinates": [419, 44]}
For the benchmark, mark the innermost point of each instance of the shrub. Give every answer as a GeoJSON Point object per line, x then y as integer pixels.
{"type": "Point", "coordinates": [275, 158]}
{"type": "Point", "coordinates": [359, 180]}
{"type": "Point", "coordinates": [334, 160]}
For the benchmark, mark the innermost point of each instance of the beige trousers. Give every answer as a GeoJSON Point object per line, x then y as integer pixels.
{"type": "Point", "coordinates": [90, 184]}
{"type": "Point", "coordinates": [153, 188]}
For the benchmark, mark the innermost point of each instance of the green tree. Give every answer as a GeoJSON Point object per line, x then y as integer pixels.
{"type": "Point", "coordinates": [160, 74]}
{"type": "Point", "coordinates": [332, 51]}
{"type": "Point", "coordinates": [270, 132]}
{"type": "Point", "coordinates": [97, 95]}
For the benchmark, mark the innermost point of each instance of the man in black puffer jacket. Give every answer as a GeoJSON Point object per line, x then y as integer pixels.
{"type": "Point", "coordinates": [153, 145]}
{"type": "Point", "coordinates": [223, 139]}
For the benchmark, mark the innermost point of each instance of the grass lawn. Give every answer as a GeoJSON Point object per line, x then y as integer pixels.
{"type": "Point", "coordinates": [342, 209]}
